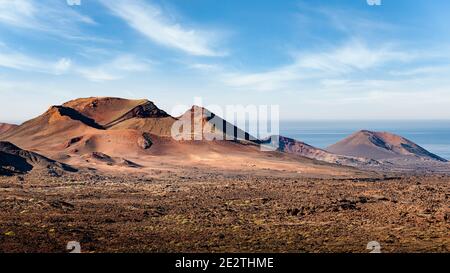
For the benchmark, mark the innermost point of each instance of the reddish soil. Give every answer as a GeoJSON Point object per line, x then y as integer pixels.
{"type": "Point", "coordinates": [198, 210]}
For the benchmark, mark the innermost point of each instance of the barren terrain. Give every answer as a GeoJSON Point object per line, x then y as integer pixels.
{"type": "Point", "coordinates": [204, 210]}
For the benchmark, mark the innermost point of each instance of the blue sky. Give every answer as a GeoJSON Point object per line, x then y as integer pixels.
{"type": "Point", "coordinates": [316, 59]}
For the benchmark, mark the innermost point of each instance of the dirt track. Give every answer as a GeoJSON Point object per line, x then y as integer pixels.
{"type": "Point", "coordinates": [231, 212]}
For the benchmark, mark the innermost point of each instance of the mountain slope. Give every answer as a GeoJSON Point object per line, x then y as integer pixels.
{"type": "Point", "coordinates": [14, 160]}
{"type": "Point", "coordinates": [381, 146]}
{"type": "Point", "coordinates": [52, 129]}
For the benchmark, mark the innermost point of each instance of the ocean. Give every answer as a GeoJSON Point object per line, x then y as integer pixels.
{"type": "Point", "coordinates": [431, 135]}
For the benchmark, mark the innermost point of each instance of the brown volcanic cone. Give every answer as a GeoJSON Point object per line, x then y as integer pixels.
{"type": "Point", "coordinates": [14, 160]}
{"type": "Point", "coordinates": [52, 129]}
{"type": "Point", "coordinates": [122, 114]}
{"type": "Point", "coordinates": [112, 126]}
{"type": "Point", "coordinates": [110, 111]}
{"type": "Point", "coordinates": [4, 127]}
{"type": "Point", "coordinates": [381, 145]}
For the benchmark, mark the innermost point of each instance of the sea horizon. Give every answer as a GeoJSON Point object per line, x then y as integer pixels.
{"type": "Point", "coordinates": [433, 135]}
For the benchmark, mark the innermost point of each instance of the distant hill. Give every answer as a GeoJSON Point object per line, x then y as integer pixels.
{"type": "Point", "coordinates": [292, 146]}
{"type": "Point", "coordinates": [4, 127]}
{"type": "Point", "coordinates": [381, 146]}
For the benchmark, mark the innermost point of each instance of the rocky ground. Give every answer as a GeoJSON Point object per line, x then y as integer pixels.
{"type": "Point", "coordinates": [199, 211]}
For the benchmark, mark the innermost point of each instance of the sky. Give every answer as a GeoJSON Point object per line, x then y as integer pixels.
{"type": "Point", "coordinates": [316, 59]}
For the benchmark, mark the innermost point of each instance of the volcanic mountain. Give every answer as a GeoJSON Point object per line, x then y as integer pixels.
{"type": "Point", "coordinates": [116, 122]}
{"type": "Point", "coordinates": [49, 130]}
{"type": "Point", "coordinates": [107, 130]}
{"type": "Point", "coordinates": [145, 116]}
{"type": "Point", "coordinates": [14, 160]}
{"type": "Point", "coordinates": [381, 146]}
{"type": "Point", "coordinates": [292, 146]}
{"type": "Point", "coordinates": [4, 127]}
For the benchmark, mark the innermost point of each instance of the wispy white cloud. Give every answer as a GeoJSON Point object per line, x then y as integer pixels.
{"type": "Point", "coordinates": [16, 60]}
{"type": "Point", "coordinates": [115, 69]}
{"type": "Point", "coordinates": [422, 70]}
{"type": "Point", "coordinates": [205, 67]}
{"type": "Point", "coordinates": [97, 74]}
{"type": "Point", "coordinates": [17, 12]}
{"type": "Point", "coordinates": [273, 80]}
{"type": "Point", "coordinates": [346, 21]}
{"type": "Point", "coordinates": [152, 22]}
{"type": "Point", "coordinates": [50, 16]}
{"type": "Point", "coordinates": [63, 65]}
{"type": "Point", "coordinates": [353, 56]}
{"type": "Point", "coordinates": [396, 99]}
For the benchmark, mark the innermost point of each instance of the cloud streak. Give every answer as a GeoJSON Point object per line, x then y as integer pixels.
{"type": "Point", "coordinates": [352, 57]}
{"type": "Point", "coordinates": [19, 61]}
{"type": "Point", "coordinates": [49, 16]}
{"type": "Point", "coordinates": [153, 23]}
{"type": "Point", "coordinates": [115, 69]}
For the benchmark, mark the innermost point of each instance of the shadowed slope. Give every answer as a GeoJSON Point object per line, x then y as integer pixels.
{"type": "Point", "coordinates": [73, 114]}
{"type": "Point", "coordinates": [15, 160]}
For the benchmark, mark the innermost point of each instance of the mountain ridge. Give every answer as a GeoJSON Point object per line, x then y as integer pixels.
{"type": "Point", "coordinates": [123, 128]}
